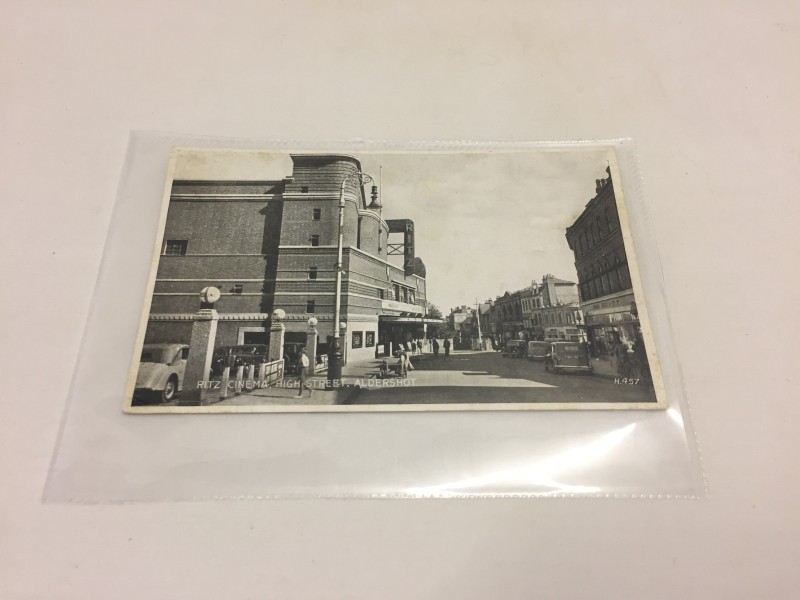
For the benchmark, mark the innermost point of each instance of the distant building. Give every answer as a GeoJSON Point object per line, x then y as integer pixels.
{"type": "Point", "coordinates": [508, 317]}
{"type": "Point", "coordinates": [604, 280]}
{"type": "Point", "coordinates": [551, 310]}
{"type": "Point", "coordinates": [273, 244]}
{"type": "Point", "coordinates": [462, 322]}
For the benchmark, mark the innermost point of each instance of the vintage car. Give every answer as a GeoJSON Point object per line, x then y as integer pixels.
{"type": "Point", "coordinates": [538, 350]}
{"type": "Point", "coordinates": [161, 370]}
{"type": "Point", "coordinates": [234, 357]}
{"type": "Point", "coordinates": [514, 349]}
{"type": "Point", "coordinates": [568, 357]}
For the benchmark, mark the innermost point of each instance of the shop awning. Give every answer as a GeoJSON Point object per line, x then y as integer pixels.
{"type": "Point", "coordinates": [401, 319]}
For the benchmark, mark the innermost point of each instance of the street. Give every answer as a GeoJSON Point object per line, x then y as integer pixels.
{"type": "Point", "coordinates": [470, 376]}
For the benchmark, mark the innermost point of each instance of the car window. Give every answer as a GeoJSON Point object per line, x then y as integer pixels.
{"type": "Point", "coordinates": [147, 356]}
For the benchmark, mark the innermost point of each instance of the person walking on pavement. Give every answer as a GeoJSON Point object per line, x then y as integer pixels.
{"type": "Point", "coordinates": [302, 368]}
{"type": "Point", "coordinates": [406, 362]}
{"type": "Point", "coordinates": [435, 348]}
{"type": "Point", "coordinates": [623, 358]}
{"type": "Point", "coordinates": [447, 346]}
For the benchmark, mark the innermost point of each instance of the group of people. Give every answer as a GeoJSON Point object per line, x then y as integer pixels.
{"type": "Point", "coordinates": [446, 347]}
{"type": "Point", "coordinates": [414, 346]}
{"type": "Point", "coordinates": [631, 359]}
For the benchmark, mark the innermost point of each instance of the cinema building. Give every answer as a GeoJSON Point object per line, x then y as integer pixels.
{"type": "Point", "coordinates": [273, 244]}
{"type": "Point", "coordinates": [604, 280]}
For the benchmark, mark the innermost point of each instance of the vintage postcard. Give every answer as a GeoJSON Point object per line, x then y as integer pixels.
{"type": "Point", "coordinates": [414, 280]}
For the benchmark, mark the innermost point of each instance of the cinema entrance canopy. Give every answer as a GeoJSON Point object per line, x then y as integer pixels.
{"type": "Point", "coordinates": [394, 330]}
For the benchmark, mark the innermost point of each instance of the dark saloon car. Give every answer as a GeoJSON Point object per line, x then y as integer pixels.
{"type": "Point", "coordinates": [568, 357]}
{"type": "Point", "coordinates": [515, 349]}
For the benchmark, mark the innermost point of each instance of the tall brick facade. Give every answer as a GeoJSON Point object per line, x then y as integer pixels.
{"type": "Point", "coordinates": [604, 279]}
{"type": "Point", "coordinates": [273, 244]}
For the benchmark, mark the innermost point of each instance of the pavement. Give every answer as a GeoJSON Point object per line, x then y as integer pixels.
{"type": "Point", "coordinates": [463, 377]}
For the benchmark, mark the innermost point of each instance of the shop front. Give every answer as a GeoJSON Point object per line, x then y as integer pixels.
{"type": "Point", "coordinates": [604, 327]}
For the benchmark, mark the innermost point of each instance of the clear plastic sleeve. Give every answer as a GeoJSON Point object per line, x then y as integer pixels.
{"type": "Point", "coordinates": [105, 455]}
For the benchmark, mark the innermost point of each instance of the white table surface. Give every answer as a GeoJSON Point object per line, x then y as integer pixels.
{"type": "Point", "coordinates": [708, 89]}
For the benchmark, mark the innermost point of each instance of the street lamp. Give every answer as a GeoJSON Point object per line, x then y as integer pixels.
{"type": "Point", "coordinates": [335, 351]}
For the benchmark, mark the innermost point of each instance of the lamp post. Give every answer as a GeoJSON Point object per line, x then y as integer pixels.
{"type": "Point", "coordinates": [478, 318]}
{"type": "Point", "coordinates": [335, 358]}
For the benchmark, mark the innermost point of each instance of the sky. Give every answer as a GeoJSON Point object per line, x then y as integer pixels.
{"type": "Point", "coordinates": [485, 223]}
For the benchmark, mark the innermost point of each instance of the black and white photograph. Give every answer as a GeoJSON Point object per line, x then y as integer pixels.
{"type": "Point", "coordinates": [425, 280]}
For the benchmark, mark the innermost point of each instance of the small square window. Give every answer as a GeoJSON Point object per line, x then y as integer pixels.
{"type": "Point", "coordinates": [317, 214]}
{"type": "Point", "coordinates": [303, 189]}
{"type": "Point", "coordinates": [312, 272]}
{"type": "Point", "coordinates": [237, 288]}
{"type": "Point", "coordinates": [310, 306]}
{"type": "Point", "coordinates": [176, 247]}
{"type": "Point", "coordinates": [315, 240]}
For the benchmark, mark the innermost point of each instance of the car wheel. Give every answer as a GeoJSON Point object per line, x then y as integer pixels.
{"type": "Point", "coordinates": [170, 389]}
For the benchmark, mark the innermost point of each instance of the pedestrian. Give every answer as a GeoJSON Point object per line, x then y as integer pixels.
{"type": "Point", "coordinates": [447, 346]}
{"type": "Point", "coordinates": [623, 359]}
{"type": "Point", "coordinates": [435, 348]}
{"type": "Point", "coordinates": [641, 364]}
{"type": "Point", "coordinates": [413, 346]}
{"type": "Point", "coordinates": [302, 367]}
{"type": "Point", "coordinates": [407, 362]}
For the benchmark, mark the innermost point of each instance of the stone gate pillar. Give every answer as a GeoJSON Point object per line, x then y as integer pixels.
{"type": "Point", "coordinates": [311, 343]}
{"type": "Point", "coordinates": [198, 364]}
{"type": "Point", "coordinates": [276, 335]}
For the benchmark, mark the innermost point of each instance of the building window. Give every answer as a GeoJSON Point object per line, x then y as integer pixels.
{"type": "Point", "coordinates": [312, 272]}
{"type": "Point", "coordinates": [303, 189]}
{"type": "Point", "coordinates": [237, 288]}
{"type": "Point", "coordinates": [317, 215]}
{"type": "Point", "coordinates": [310, 306]}
{"type": "Point", "coordinates": [382, 294]}
{"type": "Point", "coordinates": [370, 339]}
{"type": "Point", "coordinates": [358, 339]}
{"type": "Point", "coordinates": [315, 240]}
{"type": "Point", "coordinates": [176, 247]}
{"type": "Point", "coordinates": [358, 234]}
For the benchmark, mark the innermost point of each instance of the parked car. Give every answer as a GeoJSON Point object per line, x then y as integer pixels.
{"type": "Point", "coordinates": [161, 370]}
{"type": "Point", "coordinates": [234, 357]}
{"type": "Point", "coordinates": [514, 349]}
{"type": "Point", "coordinates": [568, 357]}
{"type": "Point", "coordinates": [538, 350]}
